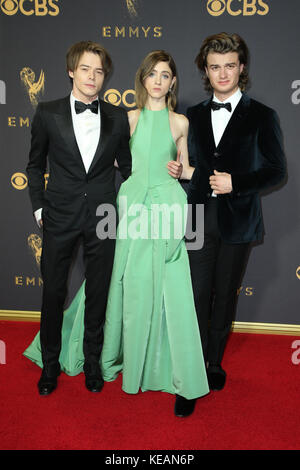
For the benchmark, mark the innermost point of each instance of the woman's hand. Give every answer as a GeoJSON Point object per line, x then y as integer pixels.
{"type": "Point", "coordinates": [175, 166]}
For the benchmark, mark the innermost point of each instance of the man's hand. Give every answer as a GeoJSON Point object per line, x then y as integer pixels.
{"type": "Point", "coordinates": [175, 167]}
{"type": "Point", "coordinates": [220, 183]}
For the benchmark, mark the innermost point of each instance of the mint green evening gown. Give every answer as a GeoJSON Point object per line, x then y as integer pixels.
{"type": "Point", "coordinates": [151, 333]}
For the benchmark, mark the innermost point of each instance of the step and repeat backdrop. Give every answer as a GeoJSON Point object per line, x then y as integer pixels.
{"type": "Point", "coordinates": [34, 38]}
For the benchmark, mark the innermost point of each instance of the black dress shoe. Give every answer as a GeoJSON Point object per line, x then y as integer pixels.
{"type": "Point", "coordinates": [93, 377]}
{"type": "Point", "coordinates": [216, 377]}
{"type": "Point", "coordinates": [47, 384]}
{"type": "Point", "coordinates": [183, 407]}
{"type": "Point", "coordinates": [94, 383]}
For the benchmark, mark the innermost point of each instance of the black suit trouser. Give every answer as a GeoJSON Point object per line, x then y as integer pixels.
{"type": "Point", "coordinates": [216, 271]}
{"type": "Point", "coordinates": [57, 255]}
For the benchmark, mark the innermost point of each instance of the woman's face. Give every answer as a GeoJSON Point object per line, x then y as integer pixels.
{"type": "Point", "coordinates": [159, 81]}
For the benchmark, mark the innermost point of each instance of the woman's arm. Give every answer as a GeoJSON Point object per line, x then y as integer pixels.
{"type": "Point", "coordinates": [180, 168]}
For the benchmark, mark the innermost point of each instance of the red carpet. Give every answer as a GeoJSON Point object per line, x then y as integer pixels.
{"type": "Point", "coordinates": [258, 408]}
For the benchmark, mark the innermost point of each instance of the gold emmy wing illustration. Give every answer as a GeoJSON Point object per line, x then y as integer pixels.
{"type": "Point", "coordinates": [131, 6]}
{"type": "Point", "coordinates": [35, 243]}
{"type": "Point", "coordinates": [34, 89]}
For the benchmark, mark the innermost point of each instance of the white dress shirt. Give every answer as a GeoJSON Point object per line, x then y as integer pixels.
{"type": "Point", "coordinates": [87, 132]}
{"type": "Point", "coordinates": [86, 127]}
{"type": "Point", "coordinates": [221, 117]}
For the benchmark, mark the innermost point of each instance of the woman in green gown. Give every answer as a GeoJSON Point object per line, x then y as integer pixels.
{"type": "Point", "coordinates": [151, 333]}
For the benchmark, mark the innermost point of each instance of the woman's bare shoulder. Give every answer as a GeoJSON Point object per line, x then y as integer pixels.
{"type": "Point", "coordinates": [180, 120]}
{"type": "Point", "coordinates": [133, 115]}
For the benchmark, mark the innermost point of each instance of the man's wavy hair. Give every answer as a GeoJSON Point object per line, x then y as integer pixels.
{"type": "Point", "coordinates": [77, 50]}
{"type": "Point", "coordinates": [223, 43]}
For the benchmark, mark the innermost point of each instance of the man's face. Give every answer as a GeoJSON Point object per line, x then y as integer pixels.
{"type": "Point", "coordinates": [88, 77]}
{"type": "Point", "coordinates": [223, 72]}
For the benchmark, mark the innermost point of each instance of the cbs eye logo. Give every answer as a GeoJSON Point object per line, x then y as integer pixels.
{"type": "Point", "coordinates": [9, 7]}
{"type": "Point", "coordinates": [237, 7]}
{"type": "Point", "coordinates": [114, 97]}
{"type": "Point", "coordinates": [19, 181]}
{"type": "Point", "coordinates": [216, 7]}
{"type": "Point", "coordinates": [298, 272]}
{"type": "Point", "coordinates": [39, 7]}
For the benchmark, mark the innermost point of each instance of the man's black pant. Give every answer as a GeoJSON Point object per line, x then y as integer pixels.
{"type": "Point", "coordinates": [216, 271]}
{"type": "Point", "coordinates": [56, 259]}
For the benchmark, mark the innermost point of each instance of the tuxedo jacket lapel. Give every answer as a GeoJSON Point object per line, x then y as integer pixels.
{"type": "Point", "coordinates": [204, 131]}
{"type": "Point", "coordinates": [235, 122]}
{"type": "Point", "coordinates": [63, 117]}
{"type": "Point", "coordinates": [105, 133]}
{"type": "Point", "coordinates": [64, 121]}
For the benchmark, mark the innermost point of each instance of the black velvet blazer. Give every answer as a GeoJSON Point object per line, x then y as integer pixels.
{"type": "Point", "coordinates": [251, 150]}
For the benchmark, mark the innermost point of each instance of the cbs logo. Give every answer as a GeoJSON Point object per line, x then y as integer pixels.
{"type": "Point", "coordinates": [39, 7]}
{"type": "Point", "coordinates": [237, 7]}
{"type": "Point", "coordinates": [19, 181]}
{"type": "Point", "coordinates": [114, 97]}
{"type": "Point", "coordinates": [298, 272]}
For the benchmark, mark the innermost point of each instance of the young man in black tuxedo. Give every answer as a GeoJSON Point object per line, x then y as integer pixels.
{"type": "Point", "coordinates": [80, 136]}
{"type": "Point", "coordinates": [235, 145]}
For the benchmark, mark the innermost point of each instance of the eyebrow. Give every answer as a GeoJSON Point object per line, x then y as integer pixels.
{"type": "Point", "coordinates": [219, 65]}
{"type": "Point", "coordinates": [163, 71]}
{"type": "Point", "coordinates": [89, 66]}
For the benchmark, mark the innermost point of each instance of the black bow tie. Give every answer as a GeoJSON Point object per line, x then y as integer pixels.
{"type": "Point", "coordinates": [215, 106]}
{"type": "Point", "coordinates": [81, 107]}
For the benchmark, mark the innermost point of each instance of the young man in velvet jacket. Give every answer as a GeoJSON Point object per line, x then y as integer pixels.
{"type": "Point", "coordinates": [235, 145]}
